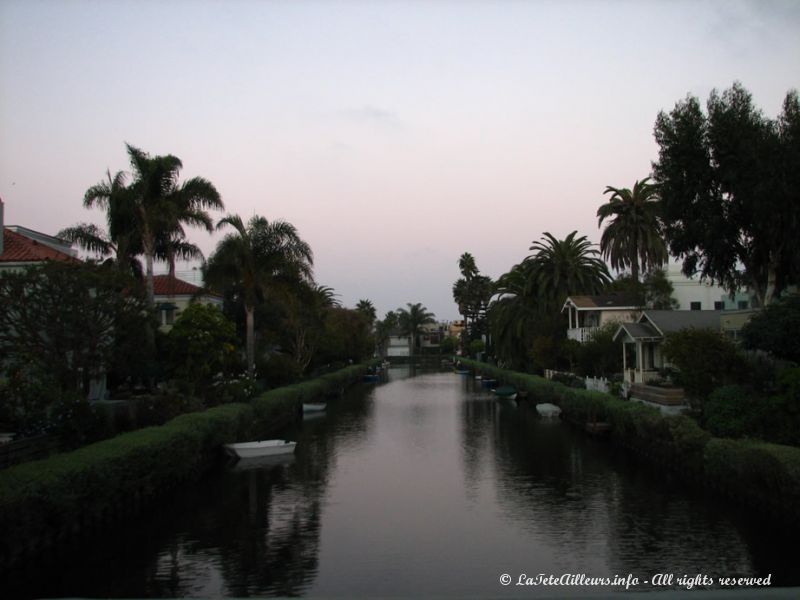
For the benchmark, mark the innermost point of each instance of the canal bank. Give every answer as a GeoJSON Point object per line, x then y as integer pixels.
{"type": "Point", "coordinates": [425, 486]}
{"type": "Point", "coordinates": [46, 503]}
{"type": "Point", "coordinates": [763, 477]}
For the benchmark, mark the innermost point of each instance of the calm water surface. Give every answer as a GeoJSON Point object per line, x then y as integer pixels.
{"type": "Point", "coordinates": [422, 486]}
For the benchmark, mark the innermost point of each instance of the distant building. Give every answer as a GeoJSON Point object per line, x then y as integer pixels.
{"type": "Point", "coordinates": [693, 294]}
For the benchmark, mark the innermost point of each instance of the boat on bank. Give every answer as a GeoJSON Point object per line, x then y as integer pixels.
{"type": "Point", "coordinates": [260, 448]}
{"type": "Point", "coordinates": [314, 407]}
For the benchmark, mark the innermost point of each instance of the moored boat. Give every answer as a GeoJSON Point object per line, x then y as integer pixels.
{"type": "Point", "coordinates": [314, 407]}
{"type": "Point", "coordinates": [548, 411]}
{"type": "Point", "coordinates": [508, 392]}
{"type": "Point", "coordinates": [260, 448]}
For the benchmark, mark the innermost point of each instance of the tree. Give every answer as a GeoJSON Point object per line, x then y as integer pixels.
{"type": "Point", "coordinates": [367, 309]}
{"type": "Point", "coordinates": [121, 241]}
{"type": "Point", "coordinates": [60, 325]}
{"type": "Point", "coordinates": [472, 293]}
{"type": "Point", "coordinates": [163, 207]}
{"type": "Point", "coordinates": [632, 239]}
{"type": "Point", "coordinates": [729, 182]}
{"type": "Point", "coordinates": [775, 329]}
{"type": "Point", "coordinates": [202, 344]}
{"type": "Point", "coordinates": [559, 268]}
{"type": "Point", "coordinates": [255, 258]}
{"type": "Point", "coordinates": [705, 360]}
{"type": "Point", "coordinates": [411, 321]}
{"type": "Point", "coordinates": [347, 336]}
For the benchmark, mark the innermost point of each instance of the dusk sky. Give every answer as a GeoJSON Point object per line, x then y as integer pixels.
{"type": "Point", "coordinates": [394, 135]}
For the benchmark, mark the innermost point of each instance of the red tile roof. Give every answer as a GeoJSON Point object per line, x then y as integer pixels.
{"type": "Point", "coordinates": [164, 285]}
{"type": "Point", "coordinates": [20, 248]}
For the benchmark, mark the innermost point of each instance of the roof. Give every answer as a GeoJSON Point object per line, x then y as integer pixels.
{"type": "Point", "coordinates": [164, 285]}
{"type": "Point", "coordinates": [674, 320]}
{"type": "Point", "coordinates": [638, 331]}
{"type": "Point", "coordinates": [20, 248]}
{"type": "Point", "coordinates": [606, 301]}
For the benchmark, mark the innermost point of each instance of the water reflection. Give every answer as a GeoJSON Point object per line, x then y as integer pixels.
{"type": "Point", "coordinates": [423, 486]}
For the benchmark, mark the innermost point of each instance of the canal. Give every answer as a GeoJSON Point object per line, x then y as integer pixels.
{"type": "Point", "coordinates": [421, 486]}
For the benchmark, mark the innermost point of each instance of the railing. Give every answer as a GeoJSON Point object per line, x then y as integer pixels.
{"type": "Point", "coordinates": [581, 334]}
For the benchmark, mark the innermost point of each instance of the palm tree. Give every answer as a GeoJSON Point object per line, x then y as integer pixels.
{"type": "Point", "coordinates": [411, 321]}
{"type": "Point", "coordinates": [383, 330]}
{"type": "Point", "coordinates": [366, 308]}
{"type": "Point", "coordinates": [633, 238]}
{"type": "Point", "coordinates": [121, 241]}
{"type": "Point", "coordinates": [559, 268]}
{"type": "Point", "coordinates": [255, 258]}
{"type": "Point", "coordinates": [163, 206]}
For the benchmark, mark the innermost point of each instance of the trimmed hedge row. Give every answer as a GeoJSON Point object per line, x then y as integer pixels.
{"type": "Point", "coordinates": [44, 501]}
{"type": "Point", "coordinates": [765, 477]}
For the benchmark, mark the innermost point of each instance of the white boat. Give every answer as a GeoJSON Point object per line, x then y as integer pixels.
{"type": "Point", "coordinates": [548, 411]}
{"type": "Point", "coordinates": [265, 448]}
{"type": "Point", "coordinates": [263, 462]}
{"type": "Point", "coordinates": [309, 407]}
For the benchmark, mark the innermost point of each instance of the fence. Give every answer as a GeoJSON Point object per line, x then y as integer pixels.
{"type": "Point", "coordinates": [32, 448]}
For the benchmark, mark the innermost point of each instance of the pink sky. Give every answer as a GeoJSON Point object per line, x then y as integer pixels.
{"type": "Point", "coordinates": [394, 135]}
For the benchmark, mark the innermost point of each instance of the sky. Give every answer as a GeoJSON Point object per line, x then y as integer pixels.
{"type": "Point", "coordinates": [395, 135]}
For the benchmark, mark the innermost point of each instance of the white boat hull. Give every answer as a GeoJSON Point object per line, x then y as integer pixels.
{"type": "Point", "coordinates": [548, 411]}
{"type": "Point", "coordinates": [257, 449]}
{"type": "Point", "coordinates": [309, 407]}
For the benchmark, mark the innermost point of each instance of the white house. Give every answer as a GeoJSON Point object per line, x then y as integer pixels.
{"type": "Point", "coordinates": [173, 295]}
{"type": "Point", "coordinates": [588, 313]}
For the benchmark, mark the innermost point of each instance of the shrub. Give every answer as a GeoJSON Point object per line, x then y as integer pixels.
{"type": "Point", "coordinates": [775, 328]}
{"type": "Point", "coordinates": [731, 411]}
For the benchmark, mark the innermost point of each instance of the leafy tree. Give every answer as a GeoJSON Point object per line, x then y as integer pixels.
{"type": "Point", "coordinates": [600, 356]}
{"type": "Point", "coordinates": [411, 320]}
{"type": "Point", "coordinates": [253, 260]}
{"type": "Point", "coordinates": [449, 345]}
{"type": "Point", "coordinates": [202, 344]}
{"type": "Point", "coordinates": [347, 336]}
{"type": "Point", "coordinates": [705, 360]}
{"type": "Point", "coordinates": [632, 239]}
{"type": "Point", "coordinates": [472, 293]}
{"type": "Point", "coordinates": [728, 182]}
{"type": "Point", "coordinates": [775, 329]}
{"type": "Point", "coordinates": [60, 324]}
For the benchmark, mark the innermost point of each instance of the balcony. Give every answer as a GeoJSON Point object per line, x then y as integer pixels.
{"type": "Point", "coordinates": [581, 334]}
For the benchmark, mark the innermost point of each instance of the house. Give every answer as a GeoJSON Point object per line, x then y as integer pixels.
{"type": "Point", "coordinates": [398, 344]}
{"type": "Point", "coordinates": [172, 295]}
{"type": "Point", "coordinates": [588, 313]}
{"type": "Point", "coordinates": [21, 247]}
{"type": "Point", "coordinates": [642, 357]}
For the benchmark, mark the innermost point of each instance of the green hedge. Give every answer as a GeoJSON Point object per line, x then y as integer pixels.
{"type": "Point", "coordinates": [763, 476]}
{"type": "Point", "coordinates": [42, 501]}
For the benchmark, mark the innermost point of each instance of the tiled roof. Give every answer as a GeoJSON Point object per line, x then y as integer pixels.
{"type": "Point", "coordinates": [20, 248]}
{"type": "Point", "coordinates": [164, 285]}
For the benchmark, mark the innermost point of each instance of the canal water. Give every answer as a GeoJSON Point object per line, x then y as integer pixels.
{"type": "Point", "coordinates": [421, 486]}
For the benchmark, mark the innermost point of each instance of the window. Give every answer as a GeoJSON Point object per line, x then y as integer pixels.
{"type": "Point", "coordinates": [742, 304]}
{"type": "Point", "coordinates": [169, 316]}
{"type": "Point", "coordinates": [718, 305]}
{"type": "Point", "coordinates": [694, 305]}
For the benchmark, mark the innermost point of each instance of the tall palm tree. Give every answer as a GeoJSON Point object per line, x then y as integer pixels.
{"type": "Point", "coordinates": [411, 321]}
{"type": "Point", "coordinates": [633, 237]}
{"type": "Point", "coordinates": [254, 258]}
{"type": "Point", "coordinates": [559, 268]}
{"type": "Point", "coordinates": [163, 206]}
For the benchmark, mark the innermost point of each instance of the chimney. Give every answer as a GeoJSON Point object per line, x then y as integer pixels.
{"type": "Point", "coordinates": [2, 226]}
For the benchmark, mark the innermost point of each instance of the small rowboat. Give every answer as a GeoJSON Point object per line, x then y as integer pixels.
{"type": "Point", "coordinates": [548, 411]}
{"type": "Point", "coordinates": [371, 378]}
{"type": "Point", "coordinates": [265, 448]}
{"type": "Point", "coordinates": [461, 371]}
{"type": "Point", "coordinates": [506, 392]}
{"type": "Point", "coordinates": [309, 407]}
